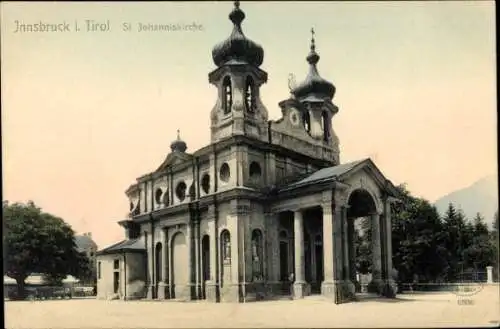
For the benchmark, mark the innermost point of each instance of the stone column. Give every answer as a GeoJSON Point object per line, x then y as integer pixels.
{"type": "Point", "coordinates": [489, 274]}
{"type": "Point", "coordinates": [190, 287]}
{"type": "Point", "coordinates": [299, 284]}
{"type": "Point", "coordinates": [212, 286]}
{"type": "Point", "coordinates": [391, 286]}
{"type": "Point", "coordinates": [376, 283]}
{"type": "Point", "coordinates": [352, 250]}
{"type": "Point", "coordinates": [163, 286]}
{"type": "Point", "coordinates": [328, 284]}
{"type": "Point", "coordinates": [345, 244]}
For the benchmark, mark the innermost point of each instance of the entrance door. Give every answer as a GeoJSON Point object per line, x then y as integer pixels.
{"type": "Point", "coordinates": [205, 261]}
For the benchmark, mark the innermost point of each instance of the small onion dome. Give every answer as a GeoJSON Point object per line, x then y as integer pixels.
{"type": "Point", "coordinates": [178, 145]}
{"type": "Point", "coordinates": [237, 48]}
{"type": "Point", "coordinates": [314, 84]}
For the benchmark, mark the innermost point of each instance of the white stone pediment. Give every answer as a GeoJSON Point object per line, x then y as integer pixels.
{"type": "Point", "coordinates": [173, 159]}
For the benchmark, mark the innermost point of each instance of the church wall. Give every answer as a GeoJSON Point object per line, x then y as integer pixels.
{"type": "Point", "coordinates": [206, 168]}
{"type": "Point", "coordinates": [142, 197]}
{"type": "Point", "coordinates": [105, 284]}
{"type": "Point", "coordinates": [361, 180]}
{"type": "Point", "coordinates": [185, 176]}
{"type": "Point", "coordinates": [161, 183]}
{"type": "Point", "coordinates": [226, 156]}
{"type": "Point", "coordinates": [252, 179]}
{"type": "Point", "coordinates": [135, 275]}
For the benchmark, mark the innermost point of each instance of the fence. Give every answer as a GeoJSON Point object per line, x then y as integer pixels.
{"type": "Point", "coordinates": [51, 292]}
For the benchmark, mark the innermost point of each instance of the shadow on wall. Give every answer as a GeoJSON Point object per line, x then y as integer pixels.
{"type": "Point", "coordinates": [137, 289]}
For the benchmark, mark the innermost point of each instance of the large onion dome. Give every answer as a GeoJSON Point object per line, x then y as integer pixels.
{"type": "Point", "coordinates": [237, 47]}
{"type": "Point", "coordinates": [314, 85]}
{"type": "Point", "coordinates": [178, 145]}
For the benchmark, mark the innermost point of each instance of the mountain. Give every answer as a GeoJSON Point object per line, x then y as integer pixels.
{"type": "Point", "coordinates": [482, 197]}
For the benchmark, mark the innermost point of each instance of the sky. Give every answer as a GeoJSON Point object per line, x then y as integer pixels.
{"type": "Point", "coordinates": [84, 113]}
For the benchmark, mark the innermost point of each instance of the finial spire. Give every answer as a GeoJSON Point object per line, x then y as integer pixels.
{"type": "Point", "coordinates": [313, 46]}
{"type": "Point", "coordinates": [313, 57]}
{"type": "Point", "coordinates": [237, 16]}
{"type": "Point", "coordinates": [178, 134]}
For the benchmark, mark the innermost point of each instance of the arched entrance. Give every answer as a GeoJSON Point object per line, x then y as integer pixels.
{"type": "Point", "coordinates": [362, 263]}
{"type": "Point", "coordinates": [158, 267]}
{"type": "Point", "coordinates": [180, 269]}
{"type": "Point", "coordinates": [205, 263]}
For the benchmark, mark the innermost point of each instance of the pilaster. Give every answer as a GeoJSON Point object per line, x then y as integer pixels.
{"type": "Point", "coordinates": [163, 286]}
{"type": "Point", "coordinates": [197, 259]}
{"type": "Point", "coordinates": [190, 287]}
{"type": "Point", "coordinates": [212, 286]}
{"type": "Point", "coordinates": [150, 264]}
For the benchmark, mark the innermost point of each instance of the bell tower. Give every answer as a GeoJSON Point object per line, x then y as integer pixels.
{"type": "Point", "coordinates": [239, 109]}
{"type": "Point", "coordinates": [315, 96]}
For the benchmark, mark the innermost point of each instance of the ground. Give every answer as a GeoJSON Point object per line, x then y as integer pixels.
{"type": "Point", "coordinates": [408, 310]}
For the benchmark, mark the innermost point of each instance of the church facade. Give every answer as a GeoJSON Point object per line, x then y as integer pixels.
{"type": "Point", "coordinates": [266, 209]}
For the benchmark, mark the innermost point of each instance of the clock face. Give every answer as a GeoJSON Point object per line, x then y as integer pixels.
{"type": "Point", "coordinates": [294, 117]}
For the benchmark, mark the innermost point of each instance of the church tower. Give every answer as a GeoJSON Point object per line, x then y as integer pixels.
{"type": "Point", "coordinates": [315, 94]}
{"type": "Point", "coordinates": [239, 109]}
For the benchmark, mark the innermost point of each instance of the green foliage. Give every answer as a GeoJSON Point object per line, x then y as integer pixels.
{"type": "Point", "coordinates": [38, 242]}
{"type": "Point", "coordinates": [417, 238]}
{"type": "Point", "coordinates": [362, 245]}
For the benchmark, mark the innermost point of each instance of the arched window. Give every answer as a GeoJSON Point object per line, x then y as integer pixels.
{"type": "Point", "coordinates": [225, 238]}
{"type": "Point", "coordinates": [158, 262]}
{"type": "Point", "coordinates": [228, 95]}
{"type": "Point", "coordinates": [306, 118]}
{"type": "Point", "coordinates": [257, 255]}
{"type": "Point", "coordinates": [326, 126]}
{"type": "Point", "coordinates": [249, 95]}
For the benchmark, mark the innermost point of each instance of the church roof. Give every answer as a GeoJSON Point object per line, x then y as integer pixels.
{"type": "Point", "coordinates": [132, 245]}
{"type": "Point", "coordinates": [237, 47]}
{"type": "Point", "coordinates": [325, 174]}
{"type": "Point", "coordinates": [337, 173]}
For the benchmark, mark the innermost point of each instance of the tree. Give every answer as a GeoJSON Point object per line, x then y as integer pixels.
{"type": "Point", "coordinates": [38, 242]}
{"type": "Point", "coordinates": [417, 239]}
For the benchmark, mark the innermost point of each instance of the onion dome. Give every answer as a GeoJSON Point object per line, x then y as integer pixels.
{"type": "Point", "coordinates": [178, 145]}
{"type": "Point", "coordinates": [314, 84]}
{"type": "Point", "coordinates": [237, 47]}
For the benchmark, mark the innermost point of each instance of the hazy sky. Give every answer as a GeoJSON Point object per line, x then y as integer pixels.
{"type": "Point", "coordinates": [86, 113]}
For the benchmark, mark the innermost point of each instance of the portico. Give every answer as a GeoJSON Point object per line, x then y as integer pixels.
{"type": "Point", "coordinates": [321, 214]}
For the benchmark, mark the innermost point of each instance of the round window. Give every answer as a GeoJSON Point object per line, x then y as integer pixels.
{"type": "Point", "coordinates": [224, 172]}
{"type": "Point", "coordinates": [180, 191]}
{"type": "Point", "coordinates": [205, 183]}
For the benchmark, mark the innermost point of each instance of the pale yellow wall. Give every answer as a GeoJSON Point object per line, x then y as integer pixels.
{"type": "Point", "coordinates": [132, 276]}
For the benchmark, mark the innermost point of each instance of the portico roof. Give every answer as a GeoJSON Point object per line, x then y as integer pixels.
{"type": "Point", "coordinates": [132, 245]}
{"type": "Point", "coordinates": [338, 173]}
